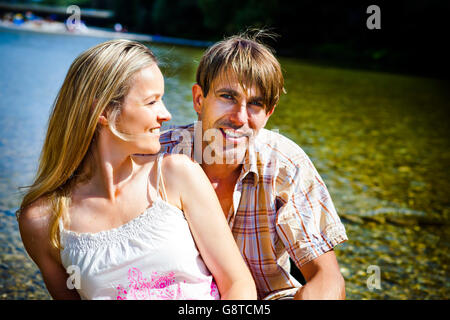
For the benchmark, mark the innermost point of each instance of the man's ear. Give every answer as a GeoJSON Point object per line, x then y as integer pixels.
{"type": "Point", "coordinates": [268, 114]}
{"type": "Point", "coordinates": [197, 98]}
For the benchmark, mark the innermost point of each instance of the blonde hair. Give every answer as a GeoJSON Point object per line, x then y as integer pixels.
{"type": "Point", "coordinates": [97, 81]}
{"type": "Point", "coordinates": [246, 57]}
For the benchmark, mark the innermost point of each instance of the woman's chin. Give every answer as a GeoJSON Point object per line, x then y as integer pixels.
{"type": "Point", "coordinates": [149, 149]}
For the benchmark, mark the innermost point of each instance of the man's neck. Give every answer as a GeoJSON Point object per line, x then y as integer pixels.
{"type": "Point", "coordinates": [223, 178]}
{"type": "Point", "coordinates": [219, 173]}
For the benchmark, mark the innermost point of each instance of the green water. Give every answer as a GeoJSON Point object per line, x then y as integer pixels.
{"type": "Point", "coordinates": [380, 142]}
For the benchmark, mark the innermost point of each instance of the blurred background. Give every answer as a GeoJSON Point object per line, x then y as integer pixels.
{"type": "Point", "coordinates": [369, 106]}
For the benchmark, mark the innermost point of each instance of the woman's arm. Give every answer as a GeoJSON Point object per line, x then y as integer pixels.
{"type": "Point", "coordinates": [34, 230]}
{"type": "Point", "coordinates": [186, 180]}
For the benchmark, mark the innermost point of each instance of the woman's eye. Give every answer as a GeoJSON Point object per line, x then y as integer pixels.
{"type": "Point", "coordinates": [151, 102]}
{"type": "Point", "coordinates": [227, 96]}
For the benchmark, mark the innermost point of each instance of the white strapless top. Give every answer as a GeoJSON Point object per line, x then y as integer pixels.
{"type": "Point", "coordinates": [152, 256]}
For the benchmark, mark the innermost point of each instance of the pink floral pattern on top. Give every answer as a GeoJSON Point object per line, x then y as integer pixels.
{"type": "Point", "coordinates": [214, 291]}
{"type": "Point", "coordinates": [160, 286]}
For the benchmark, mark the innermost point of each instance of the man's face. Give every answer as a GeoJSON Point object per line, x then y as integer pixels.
{"type": "Point", "coordinates": [232, 114]}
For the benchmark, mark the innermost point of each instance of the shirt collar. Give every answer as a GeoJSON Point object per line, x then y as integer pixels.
{"type": "Point", "coordinates": [250, 163]}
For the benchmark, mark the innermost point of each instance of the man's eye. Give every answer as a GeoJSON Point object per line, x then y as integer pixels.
{"type": "Point", "coordinates": [257, 103]}
{"type": "Point", "coordinates": [151, 102]}
{"type": "Point", "coordinates": [227, 96]}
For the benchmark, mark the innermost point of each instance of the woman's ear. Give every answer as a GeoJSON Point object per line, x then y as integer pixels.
{"type": "Point", "coordinates": [197, 98]}
{"type": "Point", "coordinates": [103, 120]}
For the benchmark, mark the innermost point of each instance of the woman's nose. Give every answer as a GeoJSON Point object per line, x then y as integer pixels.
{"type": "Point", "coordinates": [164, 114]}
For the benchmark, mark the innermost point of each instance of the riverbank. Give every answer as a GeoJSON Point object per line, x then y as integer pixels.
{"type": "Point", "coordinates": [60, 28]}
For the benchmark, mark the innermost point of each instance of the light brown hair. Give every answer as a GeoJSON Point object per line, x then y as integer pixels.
{"type": "Point", "coordinates": [251, 61]}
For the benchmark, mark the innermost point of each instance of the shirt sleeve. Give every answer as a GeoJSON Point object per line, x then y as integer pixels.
{"type": "Point", "coordinates": [307, 221]}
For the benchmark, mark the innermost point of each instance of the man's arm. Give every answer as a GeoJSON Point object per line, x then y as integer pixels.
{"type": "Point", "coordinates": [323, 279]}
{"type": "Point", "coordinates": [310, 228]}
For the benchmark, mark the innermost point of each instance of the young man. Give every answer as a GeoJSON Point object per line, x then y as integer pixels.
{"type": "Point", "coordinates": [276, 204]}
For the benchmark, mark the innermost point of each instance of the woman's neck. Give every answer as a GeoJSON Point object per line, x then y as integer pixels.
{"type": "Point", "coordinates": [112, 167]}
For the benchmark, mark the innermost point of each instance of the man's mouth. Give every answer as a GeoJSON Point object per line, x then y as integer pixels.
{"type": "Point", "coordinates": [232, 134]}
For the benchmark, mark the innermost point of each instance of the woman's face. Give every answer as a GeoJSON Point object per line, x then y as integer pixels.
{"type": "Point", "coordinates": [143, 111]}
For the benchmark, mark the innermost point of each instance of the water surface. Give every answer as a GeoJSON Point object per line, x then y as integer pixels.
{"type": "Point", "coordinates": [380, 141]}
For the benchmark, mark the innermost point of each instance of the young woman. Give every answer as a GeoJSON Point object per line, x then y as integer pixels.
{"type": "Point", "coordinates": [108, 215]}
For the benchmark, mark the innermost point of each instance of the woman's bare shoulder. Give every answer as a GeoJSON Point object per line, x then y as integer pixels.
{"type": "Point", "coordinates": [177, 161]}
{"type": "Point", "coordinates": [35, 219]}
{"type": "Point", "coordinates": [180, 173]}
{"type": "Point", "coordinates": [179, 167]}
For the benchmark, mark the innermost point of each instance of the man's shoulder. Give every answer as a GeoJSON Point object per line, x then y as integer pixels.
{"type": "Point", "coordinates": [271, 145]}
{"type": "Point", "coordinates": [172, 132]}
{"type": "Point", "coordinates": [175, 135]}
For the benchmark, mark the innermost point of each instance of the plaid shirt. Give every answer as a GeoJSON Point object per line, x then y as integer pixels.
{"type": "Point", "coordinates": [281, 207]}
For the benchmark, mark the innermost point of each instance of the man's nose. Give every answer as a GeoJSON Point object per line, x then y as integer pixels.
{"type": "Point", "coordinates": [164, 114]}
{"type": "Point", "coordinates": [239, 115]}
